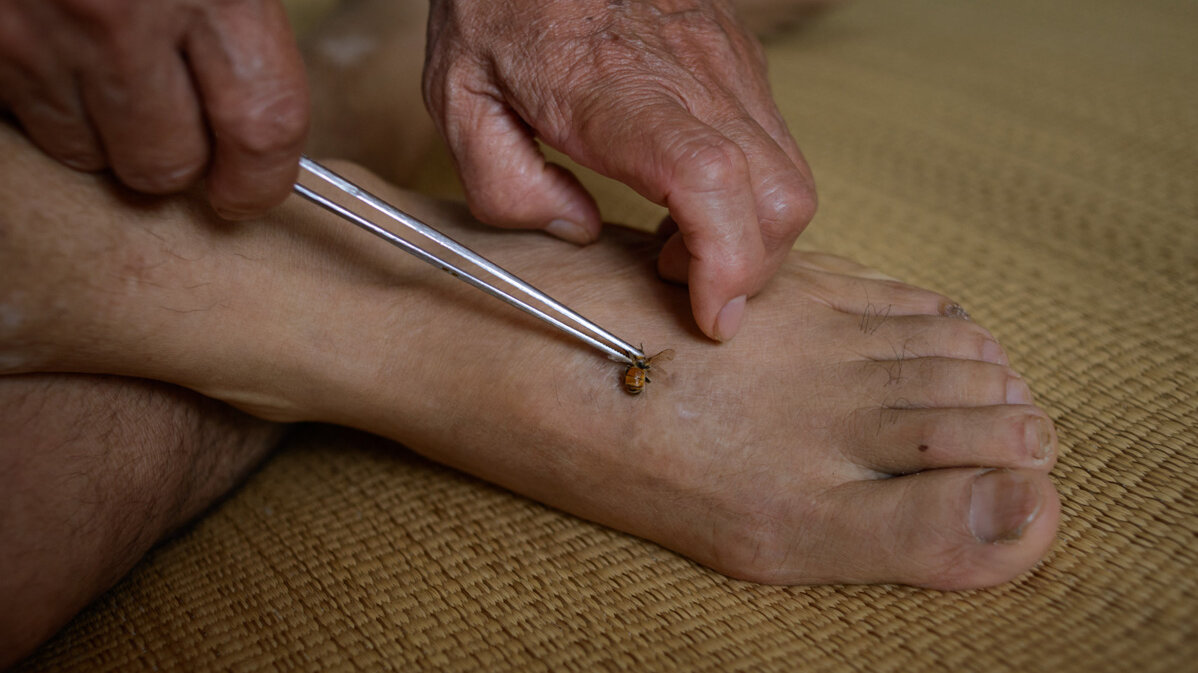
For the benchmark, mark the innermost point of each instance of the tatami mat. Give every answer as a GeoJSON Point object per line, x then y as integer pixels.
{"type": "Point", "coordinates": [1036, 160]}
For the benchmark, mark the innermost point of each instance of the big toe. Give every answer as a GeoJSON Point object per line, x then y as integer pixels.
{"type": "Point", "coordinates": [944, 529]}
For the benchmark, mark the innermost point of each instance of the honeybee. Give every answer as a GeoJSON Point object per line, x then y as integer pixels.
{"type": "Point", "coordinates": [637, 374]}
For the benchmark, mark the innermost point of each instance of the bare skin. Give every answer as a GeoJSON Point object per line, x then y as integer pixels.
{"type": "Point", "coordinates": [94, 470]}
{"type": "Point", "coordinates": [163, 93]}
{"type": "Point", "coordinates": [757, 458]}
{"type": "Point", "coordinates": [669, 97]}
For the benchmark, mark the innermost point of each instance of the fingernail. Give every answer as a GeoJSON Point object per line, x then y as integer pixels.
{"type": "Point", "coordinates": [727, 323]}
{"type": "Point", "coordinates": [1001, 505]}
{"type": "Point", "coordinates": [1038, 436]}
{"type": "Point", "coordinates": [569, 231]}
{"type": "Point", "coordinates": [234, 212]}
{"type": "Point", "coordinates": [84, 163]}
{"type": "Point", "coordinates": [1017, 391]}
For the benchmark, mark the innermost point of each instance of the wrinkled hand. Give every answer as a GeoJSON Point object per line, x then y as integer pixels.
{"type": "Point", "coordinates": [668, 96]}
{"type": "Point", "coordinates": [161, 91]}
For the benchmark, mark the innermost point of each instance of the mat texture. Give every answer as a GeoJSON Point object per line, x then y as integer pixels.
{"type": "Point", "coordinates": [1036, 160]}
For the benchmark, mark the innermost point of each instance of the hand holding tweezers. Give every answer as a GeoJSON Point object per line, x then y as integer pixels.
{"type": "Point", "coordinates": [452, 257]}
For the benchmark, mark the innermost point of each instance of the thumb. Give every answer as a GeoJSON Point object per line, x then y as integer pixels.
{"type": "Point", "coordinates": [507, 180]}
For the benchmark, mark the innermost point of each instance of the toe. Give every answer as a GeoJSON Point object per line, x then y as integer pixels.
{"type": "Point", "coordinates": [822, 261]}
{"type": "Point", "coordinates": [933, 382]}
{"type": "Point", "coordinates": [943, 529]}
{"type": "Point", "coordinates": [879, 299]}
{"type": "Point", "coordinates": [926, 336]}
{"type": "Point", "coordinates": [902, 441]}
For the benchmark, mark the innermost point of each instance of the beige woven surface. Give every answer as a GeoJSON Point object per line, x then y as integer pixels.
{"type": "Point", "coordinates": [1038, 161]}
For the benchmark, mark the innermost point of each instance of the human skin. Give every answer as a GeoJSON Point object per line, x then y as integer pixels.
{"type": "Point", "coordinates": [94, 470]}
{"type": "Point", "coordinates": [164, 93]}
{"type": "Point", "coordinates": [670, 97]}
{"type": "Point", "coordinates": [105, 281]}
{"type": "Point", "coordinates": [853, 458]}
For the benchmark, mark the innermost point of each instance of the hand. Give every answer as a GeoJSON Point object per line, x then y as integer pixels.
{"type": "Point", "coordinates": [668, 96]}
{"type": "Point", "coordinates": [163, 92]}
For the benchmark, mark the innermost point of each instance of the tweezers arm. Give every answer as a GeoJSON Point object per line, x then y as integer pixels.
{"type": "Point", "coordinates": [518, 293]}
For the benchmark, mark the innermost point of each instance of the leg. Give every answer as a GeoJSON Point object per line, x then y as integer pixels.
{"type": "Point", "coordinates": [766, 458]}
{"type": "Point", "coordinates": [93, 472]}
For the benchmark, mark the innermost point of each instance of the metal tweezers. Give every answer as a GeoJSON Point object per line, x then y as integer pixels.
{"type": "Point", "coordinates": [467, 265]}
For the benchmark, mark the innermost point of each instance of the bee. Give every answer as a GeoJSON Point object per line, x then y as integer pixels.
{"type": "Point", "coordinates": [637, 374]}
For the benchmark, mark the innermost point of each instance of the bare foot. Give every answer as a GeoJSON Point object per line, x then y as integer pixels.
{"type": "Point", "coordinates": [857, 430]}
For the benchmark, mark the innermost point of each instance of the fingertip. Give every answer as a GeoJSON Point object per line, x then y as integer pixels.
{"type": "Point", "coordinates": [258, 112]}
{"type": "Point", "coordinates": [233, 214]}
{"type": "Point", "coordinates": [160, 178]}
{"type": "Point", "coordinates": [241, 211]}
{"type": "Point", "coordinates": [84, 162]}
{"type": "Point", "coordinates": [572, 232]}
{"type": "Point", "coordinates": [232, 201]}
{"type": "Point", "coordinates": [719, 288]}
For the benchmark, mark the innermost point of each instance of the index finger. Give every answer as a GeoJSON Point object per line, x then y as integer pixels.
{"type": "Point", "coordinates": [251, 80]}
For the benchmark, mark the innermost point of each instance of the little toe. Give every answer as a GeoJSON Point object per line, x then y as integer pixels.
{"type": "Point", "coordinates": [927, 336]}
{"type": "Point", "coordinates": [902, 441]}
{"type": "Point", "coordinates": [911, 383]}
{"type": "Point", "coordinates": [944, 529]}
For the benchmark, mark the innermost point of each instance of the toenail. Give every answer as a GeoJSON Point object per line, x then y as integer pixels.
{"type": "Point", "coordinates": [1017, 391]}
{"type": "Point", "coordinates": [955, 311]}
{"type": "Point", "coordinates": [1038, 436]}
{"type": "Point", "coordinates": [1001, 505]}
{"type": "Point", "coordinates": [992, 352]}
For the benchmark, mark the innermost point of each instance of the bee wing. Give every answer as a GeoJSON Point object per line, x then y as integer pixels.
{"type": "Point", "coordinates": [656, 373]}
{"type": "Point", "coordinates": [664, 356]}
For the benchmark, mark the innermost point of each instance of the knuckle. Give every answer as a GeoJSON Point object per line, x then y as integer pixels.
{"type": "Point", "coordinates": [788, 207]}
{"type": "Point", "coordinates": [967, 339]}
{"type": "Point", "coordinates": [950, 562]}
{"type": "Point", "coordinates": [709, 164]}
{"type": "Point", "coordinates": [982, 343]}
{"type": "Point", "coordinates": [502, 203]}
{"type": "Point", "coordinates": [687, 28]}
{"type": "Point", "coordinates": [267, 127]}
{"type": "Point", "coordinates": [998, 378]}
